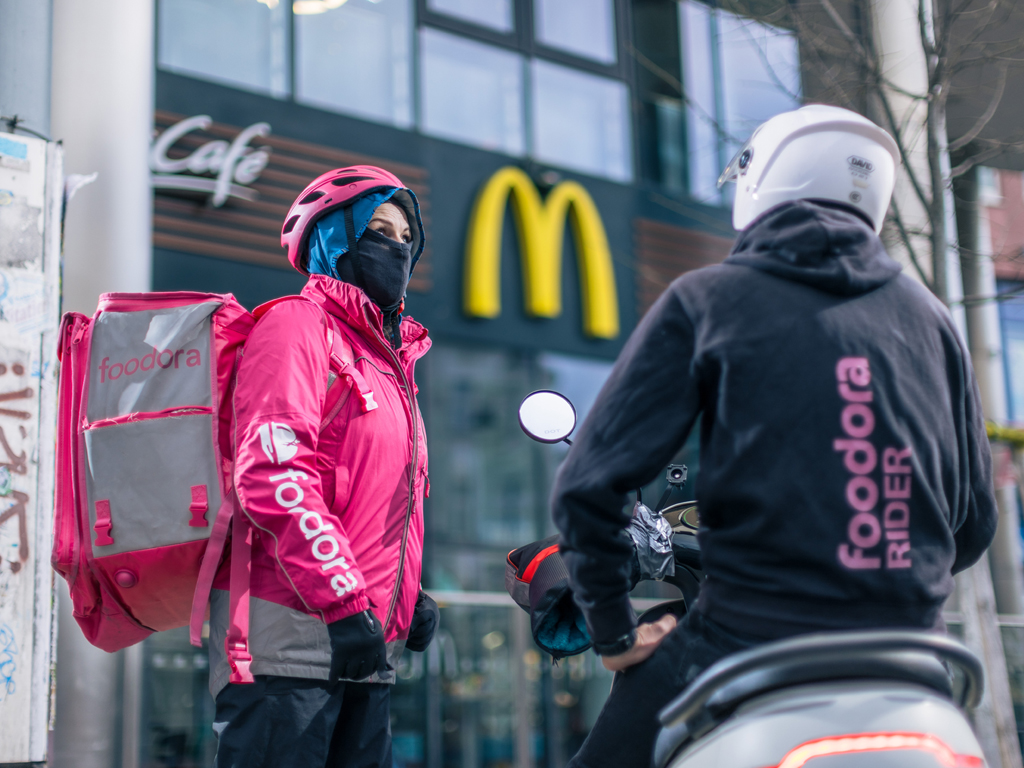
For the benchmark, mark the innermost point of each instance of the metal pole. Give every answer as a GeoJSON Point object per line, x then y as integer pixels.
{"type": "Point", "coordinates": [523, 709]}
{"type": "Point", "coordinates": [33, 190]}
{"type": "Point", "coordinates": [25, 62]}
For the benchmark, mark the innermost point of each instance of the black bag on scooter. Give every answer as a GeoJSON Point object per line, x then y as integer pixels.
{"type": "Point", "coordinates": [536, 578]}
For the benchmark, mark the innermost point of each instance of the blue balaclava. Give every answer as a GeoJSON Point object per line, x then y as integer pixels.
{"type": "Point", "coordinates": [377, 264]}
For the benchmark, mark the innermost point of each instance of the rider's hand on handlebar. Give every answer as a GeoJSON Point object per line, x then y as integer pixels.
{"type": "Point", "coordinates": [648, 638]}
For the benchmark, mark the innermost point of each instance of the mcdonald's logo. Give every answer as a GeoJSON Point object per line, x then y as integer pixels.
{"type": "Point", "coordinates": [540, 225]}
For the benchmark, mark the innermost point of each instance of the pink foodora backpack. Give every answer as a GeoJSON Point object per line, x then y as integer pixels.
{"type": "Point", "coordinates": [145, 501]}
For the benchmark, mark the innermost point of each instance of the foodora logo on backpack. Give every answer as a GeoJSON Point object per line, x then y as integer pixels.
{"type": "Point", "coordinates": [162, 358]}
{"type": "Point", "coordinates": [280, 444]}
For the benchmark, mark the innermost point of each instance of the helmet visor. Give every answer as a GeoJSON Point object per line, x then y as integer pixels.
{"type": "Point", "coordinates": [738, 165]}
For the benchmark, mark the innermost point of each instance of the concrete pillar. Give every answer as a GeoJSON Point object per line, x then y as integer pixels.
{"type": "Point", "coordinates": [902, 61]}
{"type": "Point", "coordinates": [86, 730]}
{"type": "Point", "coordinates": [25, 62]}
{"type": "Point", "coordinates": [102, 109]}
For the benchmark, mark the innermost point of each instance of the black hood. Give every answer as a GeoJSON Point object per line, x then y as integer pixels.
{"type": "Point", "coordinates": [827, 247]}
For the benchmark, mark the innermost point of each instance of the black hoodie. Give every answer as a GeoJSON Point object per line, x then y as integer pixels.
{"type": "Point", "coordinates": [845, 473]}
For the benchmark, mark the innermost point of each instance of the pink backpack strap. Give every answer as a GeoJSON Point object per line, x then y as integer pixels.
{"type": "Point", "coordinates": [342, 363]}
{"type": "Point", "coordinates": [341, 360]}
{"type": "Point", "coordinates": [237, 641]}
{"type": "Point", "coordinates": [208, 569]}
{"type": "Point", "coordinates": [214, 553]}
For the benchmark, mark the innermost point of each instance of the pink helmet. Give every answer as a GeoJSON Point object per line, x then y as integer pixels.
{"type": "Point", "coordinates": [337, 188]}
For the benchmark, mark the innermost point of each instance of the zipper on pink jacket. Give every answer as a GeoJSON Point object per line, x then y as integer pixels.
{"type": "Point", "coordinates": [412, 471]}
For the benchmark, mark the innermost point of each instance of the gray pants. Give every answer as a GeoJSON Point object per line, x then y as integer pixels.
{"type": "Point", "coordinates": [290, 722]}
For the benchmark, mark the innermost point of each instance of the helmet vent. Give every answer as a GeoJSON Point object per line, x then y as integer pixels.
{"type": "Point", "coordinates": [290, 224]}
{"type": "Point", "coordinates": [311, 197]}
{"type": "Point", "coordinates": [343, 180]}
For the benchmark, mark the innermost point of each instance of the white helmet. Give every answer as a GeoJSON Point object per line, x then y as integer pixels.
{"type": "Point", "coordinates": [814, 153]}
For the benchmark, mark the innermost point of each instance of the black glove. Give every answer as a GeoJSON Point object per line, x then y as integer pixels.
{"type": "Point", "coordinates": [357, 647]}
{"type": "Point", "coordinates": [425, 618]}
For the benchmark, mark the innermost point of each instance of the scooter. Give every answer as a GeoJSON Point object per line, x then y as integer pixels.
{"type": "Point", "coordinates": [864, 699]}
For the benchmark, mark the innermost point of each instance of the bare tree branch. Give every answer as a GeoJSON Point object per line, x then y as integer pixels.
{"type": "Point", "coordinates": [898, 134]}
{"type": "Point", "coordinates": [897, 219]}
{"type": "Point", "coordinates": [978, 158]}
{"type": "Point", "coordinates": [986, 116]}
{"type": "Point", "coordinates": [843, 27]}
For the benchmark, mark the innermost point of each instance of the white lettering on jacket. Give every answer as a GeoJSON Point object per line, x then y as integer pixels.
{"type": "Point", "coordinates": [860, 457]}
{"type": "Point", "coordinates": [289, 494]}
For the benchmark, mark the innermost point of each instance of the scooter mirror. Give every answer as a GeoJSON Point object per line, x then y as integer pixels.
{"type": "Point", "coordinates": [547, 416]}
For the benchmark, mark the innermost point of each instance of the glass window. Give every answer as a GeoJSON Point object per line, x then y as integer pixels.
{"type": "Point", "coordinates": [582, 27]}
{"type": "Point", "coordinates": [669, 126]}
{"type": "Point", "coordinates": [238, 42]}
{"type": "Point", "coordinates": [581, 121]}
{"type": "Point", "coordinates": [177, 708]}
{"type": "Point", "coordinates": [357, 58]}
{"type": "Point", "coordinates": [494, 14]}
{"type": "Point", "coordinates": [760, 74]}
{"type": "Point", "coordinates": [471, 92]}
{"type": "Point", "coordinates": [705, 161]}
{"type": "Point", "coordinates": [989, 190]}
{"type": "Point", "coordinates": [489, 482]}
{"type": "Point", "coordinates": [737, 74]}
{"type": "Point", "coordinates": [1015, 358]}
{"type": "Point", "coordinates": [1011, 318]}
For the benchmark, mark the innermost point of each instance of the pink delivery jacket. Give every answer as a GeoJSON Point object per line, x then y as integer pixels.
{"type": "Point", "coordinates": [337, 516]}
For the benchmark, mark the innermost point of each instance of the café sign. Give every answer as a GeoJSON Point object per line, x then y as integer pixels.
{"type": "Point", "coordinates": [220, 168]}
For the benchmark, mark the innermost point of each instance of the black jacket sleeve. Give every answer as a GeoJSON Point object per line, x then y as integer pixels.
{"type": "Point", "coordinates": [974, 527]}
{"type": "Point", "coordinates": [640, 420]}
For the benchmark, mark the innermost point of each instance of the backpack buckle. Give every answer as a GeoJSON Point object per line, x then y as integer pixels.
{"type": "Point", "coordinates": [103, 524]}
{"type": "Point", "coordinates": [240, 661]}
{"type": "Point", "coordinates": [199, 507]}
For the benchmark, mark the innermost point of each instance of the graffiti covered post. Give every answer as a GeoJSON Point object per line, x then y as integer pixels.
{"type": "Point", "coordinates": [31, 197]}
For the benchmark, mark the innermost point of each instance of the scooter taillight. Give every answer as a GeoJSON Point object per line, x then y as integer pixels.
{"type": "Point", "coordinates": [854, 743]}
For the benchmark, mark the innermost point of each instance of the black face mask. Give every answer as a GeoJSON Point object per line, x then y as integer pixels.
{"type": "Point", "coordinates": [380, 266]}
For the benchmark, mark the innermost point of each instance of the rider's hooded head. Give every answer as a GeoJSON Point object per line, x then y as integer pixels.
{"type": "Point", "coordinates": [818, 153]}
{"type": "Point", "coordinates": [362, 226]}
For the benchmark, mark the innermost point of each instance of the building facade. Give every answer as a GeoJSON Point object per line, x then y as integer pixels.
{"type": "Point", "coordinates": [564, 180]}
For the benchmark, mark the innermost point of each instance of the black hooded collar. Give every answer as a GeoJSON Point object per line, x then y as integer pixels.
{"type": "Point", "coordinates": [823, 245]}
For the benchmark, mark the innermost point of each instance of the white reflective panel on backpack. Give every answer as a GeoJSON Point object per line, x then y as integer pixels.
{"type": "Point", "coordinates": [150, 360]}
{"type": "Point", "coordinates": [145, 472]}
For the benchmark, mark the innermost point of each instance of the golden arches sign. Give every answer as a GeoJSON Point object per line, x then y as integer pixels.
{"type": "Point", "coordinates": [540, 225]}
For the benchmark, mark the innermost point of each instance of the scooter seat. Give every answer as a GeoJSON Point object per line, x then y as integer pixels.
{"type": "Point", "coordinates": [911, 667]}
{"type": "Point", "coordinates": [914, 657]}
